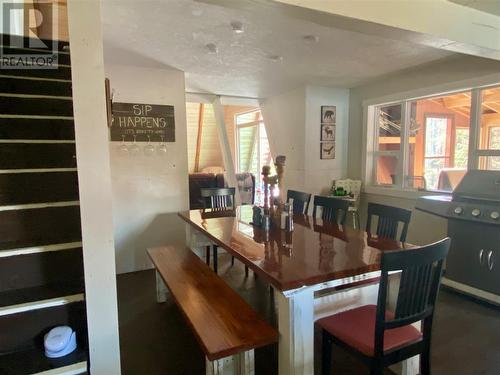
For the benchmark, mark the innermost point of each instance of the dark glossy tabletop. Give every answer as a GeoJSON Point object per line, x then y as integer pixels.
{"type": "Point", "coordinates": [313, 253]}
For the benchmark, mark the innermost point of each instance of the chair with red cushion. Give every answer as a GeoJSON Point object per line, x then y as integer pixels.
{"type": "Point", "coordinates": [380, 337]}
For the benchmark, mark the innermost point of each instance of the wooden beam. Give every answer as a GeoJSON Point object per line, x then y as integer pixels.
{"type": "Point", "coordinates": [198, 138]}
{"type": "Point", "coordinates": [491, 119]}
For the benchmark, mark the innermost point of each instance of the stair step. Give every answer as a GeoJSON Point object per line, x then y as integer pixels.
{"type": "Point", "coordinates": [36, 128]}
{"type": "Point", "coordinates": [61, 72]}
{"type": "Point", "coordinates": [33, 361]}
{"type": "Point", "coordinates": [22, 105]}
{"type": "Point", "coordinates": [19, 85]}
{"type": "Point", "coordinates": [27, 188]}
{"type": "Point", "coordinates": [25, 330]}
{"type": "Point", "coordinates": [34, 155]}
{"type": "Point", "coordinates": [38, 227]}
{"type": "Point", "coordinates": [62, 58]}
{"type": "Point", "coordinates": [17, 40]}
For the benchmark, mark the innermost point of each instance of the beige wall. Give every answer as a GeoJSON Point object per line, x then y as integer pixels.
{"type": "Point", "coordinates": [449, 74]}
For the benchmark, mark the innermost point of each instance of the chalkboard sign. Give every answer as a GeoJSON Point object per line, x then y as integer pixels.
{"type": "Point", "coordinates": [142, 122]}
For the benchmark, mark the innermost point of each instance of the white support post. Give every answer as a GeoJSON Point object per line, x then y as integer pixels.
{"type": "Point", "coordinates": [94, 180]}
{"type": "Point", "coordinates": [296, 328]}
{"type": "Point", "coordinates": [162, 292]}
{"type": "Point", "coordinates": [225, 147]}
{"type": "Point", "coordinates": [239, 364]}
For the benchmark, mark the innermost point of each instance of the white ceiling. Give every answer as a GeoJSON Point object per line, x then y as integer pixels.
{"type": "Point", "coordinates": [174, 33]}
{"type": "Point", "coordinates": [488, 6]}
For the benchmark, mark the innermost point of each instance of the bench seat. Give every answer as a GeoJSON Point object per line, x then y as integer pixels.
{"type": "Point", "coordinates": [223, 323]}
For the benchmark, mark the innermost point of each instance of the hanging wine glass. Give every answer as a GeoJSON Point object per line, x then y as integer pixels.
{"type": "Point", "coordinates": [149, 149]}
{"type": "Point", "coordinates": [162, 147]}
{"type": "Point", "coordinates": [123, 146]}
{"type": "Point", "coordinates": [134, 148]}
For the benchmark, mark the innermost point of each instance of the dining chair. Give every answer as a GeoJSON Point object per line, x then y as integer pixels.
{"type": "Point", "coordinates": [300, 201]}
{"type": "Point", "coordinates": [381, 337]}
{"type": "Point", "coordinates": [218, 199]}
{"type": "Point", "coordinates": [333, 209]}
{"type": "Point", "coordinates": [388, 221]}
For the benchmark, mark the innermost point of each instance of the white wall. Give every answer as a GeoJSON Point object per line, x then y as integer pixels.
{"type": "Point", "coordinates": [284, 116]}
{"type": "Point", "coordinates": [319, 174]}
{"type": "Point", "coordinates": [148, 191]}
{"type": "Point", "coordinates": [449, 74]}
{"type": "Point", "coordinates": [293, 123]}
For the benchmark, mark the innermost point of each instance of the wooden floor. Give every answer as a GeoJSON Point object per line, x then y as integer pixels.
{"type": "Point", "coordinates": [155, 339]}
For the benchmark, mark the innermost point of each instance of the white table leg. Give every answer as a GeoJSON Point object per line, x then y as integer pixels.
{"type": "Point", "coordinates": [296, 328]}
{"type": "Point", "coordinates": [161, 289]}
{"type": "Point", "coordinates": [239, 364]}
{"type": "Point", "coordinates": [411, 366]}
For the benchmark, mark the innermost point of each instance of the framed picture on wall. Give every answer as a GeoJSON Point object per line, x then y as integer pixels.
{"type": "Point", "coordinates": [327, 132]}
{"type": "Point", "coordinates": [327, 150]}
{"type": "Point", "coordinates": [328, 114]}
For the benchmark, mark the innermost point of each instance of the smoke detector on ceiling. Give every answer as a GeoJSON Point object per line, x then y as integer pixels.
{"type": "Point", "coordinates": [237, 27]}
{"type": "Point", "coordinates": [275, 58]}
{"type": "Point", "coordinates": [311, 38]}
{"type": "Point", "coordinates": [212, 48]}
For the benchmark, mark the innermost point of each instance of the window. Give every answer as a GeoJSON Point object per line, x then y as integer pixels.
{"type": "Point", "coordinates": [424, 143]}
{"type": "Point", "coordinates": [253, 150]}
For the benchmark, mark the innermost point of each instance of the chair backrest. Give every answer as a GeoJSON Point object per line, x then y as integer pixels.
{"type": "Point", "coordinates": [388, 221]}
{"type": "Point", "coordinates": [300, 201]}
{"type": "Point", "coordinates": [333, 209]}
{"type": "Point", "coordinates": [420, 270]}
{"type": "Point", "coordinates": [218, 198]}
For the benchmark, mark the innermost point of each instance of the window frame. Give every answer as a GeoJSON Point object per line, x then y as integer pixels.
{"type": "Point", "coordinates": [370, 139]}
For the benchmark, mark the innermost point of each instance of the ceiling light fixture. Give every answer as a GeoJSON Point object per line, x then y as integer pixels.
{"type": "Point", "coordinates": [311, 38]}
{"type": "Point", "coordinates": [237, 27]}
{"type": "Point", "coordinates": [212, 48]}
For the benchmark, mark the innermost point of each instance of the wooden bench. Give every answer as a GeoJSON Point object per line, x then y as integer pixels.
{"type": "Point", "coordinates": [226, 327]}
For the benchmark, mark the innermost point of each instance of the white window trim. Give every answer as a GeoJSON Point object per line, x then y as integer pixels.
{"type": "Point", "coordinates": [369, 134]}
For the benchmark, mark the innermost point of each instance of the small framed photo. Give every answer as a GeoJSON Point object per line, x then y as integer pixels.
{"type": "Point", "coordinates": [328, 114]}
{"type": "Point", "coordinates": [327, 150]}
{"type": "Point", "coordinates": [327, 132]}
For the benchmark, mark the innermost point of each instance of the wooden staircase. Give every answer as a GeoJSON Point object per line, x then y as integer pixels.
{"type": "Point", "coordinates": [41, 260]}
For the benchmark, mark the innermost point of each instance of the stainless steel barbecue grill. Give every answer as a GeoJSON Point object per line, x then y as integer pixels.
{"type": "Point", "coordinates": [473, 213]}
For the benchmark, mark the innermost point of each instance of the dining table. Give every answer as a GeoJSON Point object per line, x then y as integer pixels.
{"type": "Point", "coordinates": [316, 258]}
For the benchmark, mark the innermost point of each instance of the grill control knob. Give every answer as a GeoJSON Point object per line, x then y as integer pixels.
{"type": "Point", "coordinates": [495, 215]}
{"type": "Point", "coordinates": [459, 210]}
{"type": "Point", "coordinates": [476, 212]}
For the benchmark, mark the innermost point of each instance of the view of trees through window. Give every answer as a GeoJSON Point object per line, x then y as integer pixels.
{"type": "Point", "coordinates": [424, 143]}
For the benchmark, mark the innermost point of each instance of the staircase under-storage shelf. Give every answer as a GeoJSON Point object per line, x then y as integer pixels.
{"type": "Point", "coordinates": [41, 256]}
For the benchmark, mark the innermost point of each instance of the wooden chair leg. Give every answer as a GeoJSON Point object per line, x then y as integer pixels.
{"type": "Point", "coordinates": [215, 258]}
{"type": "Point", "coordinates": [207, 257]}
{"type": "Point", "coordinates": [376, 369]}
{"type": "Point", "coordinates": [232, 261]}
{"type": "Point", "coordinates": [326, 354]}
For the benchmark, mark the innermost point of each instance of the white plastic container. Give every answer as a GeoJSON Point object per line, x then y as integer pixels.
{"type": "Point", "coordinates": [60, 341]}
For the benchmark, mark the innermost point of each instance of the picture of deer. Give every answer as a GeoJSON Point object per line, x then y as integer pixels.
{"type": "Point", "coordinates": [327, 133]}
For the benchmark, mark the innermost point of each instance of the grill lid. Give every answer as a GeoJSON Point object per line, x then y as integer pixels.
{"type": "Point", "coordinates": [479, 185]}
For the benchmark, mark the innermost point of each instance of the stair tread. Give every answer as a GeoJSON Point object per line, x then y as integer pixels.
{"type": "Point", "coordinates": [33, 361]}
{"type": "Point", "coordinates": [40, 293]}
